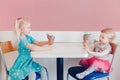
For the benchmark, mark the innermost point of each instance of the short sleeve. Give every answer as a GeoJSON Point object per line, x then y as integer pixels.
{"type": "Point", "coordinates": [31, 39]}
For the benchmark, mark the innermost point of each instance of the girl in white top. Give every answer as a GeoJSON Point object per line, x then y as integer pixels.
{"type": "Point", "coordinates": [100, 52]}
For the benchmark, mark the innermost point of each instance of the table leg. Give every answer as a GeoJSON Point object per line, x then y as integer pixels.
{"type": "Point", "coordinates": [60, 64]}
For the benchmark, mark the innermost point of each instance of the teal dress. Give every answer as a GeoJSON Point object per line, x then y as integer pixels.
{"type": "Point", "coordinates": [24, 63]}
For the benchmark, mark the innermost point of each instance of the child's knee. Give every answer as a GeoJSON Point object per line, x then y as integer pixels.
{"type": "Point", "coordinates": [32, 76]}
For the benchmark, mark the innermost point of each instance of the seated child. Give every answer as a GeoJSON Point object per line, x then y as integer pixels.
{"type": "Point", "coordinates": [99, 52]}
{"type": "Point", "coordinates": [24, 64]}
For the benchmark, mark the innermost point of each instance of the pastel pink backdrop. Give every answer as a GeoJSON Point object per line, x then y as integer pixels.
{"type": "Point", "coordinates": [62, 14]}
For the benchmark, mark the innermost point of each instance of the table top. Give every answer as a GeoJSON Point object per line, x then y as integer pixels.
{"type": "Point", "coordinates": [61, 50]}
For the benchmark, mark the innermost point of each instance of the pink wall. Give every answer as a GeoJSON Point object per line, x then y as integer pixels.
{"type": "Point", "coordinates": [62, 14]}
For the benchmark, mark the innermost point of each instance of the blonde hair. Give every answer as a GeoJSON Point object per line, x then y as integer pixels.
{"type": "Point", "coordinates": [20, 22]}
{"type": "Point", "coordinates": [110, 33]}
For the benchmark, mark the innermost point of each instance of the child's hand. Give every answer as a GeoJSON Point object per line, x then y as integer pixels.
{"type": "Point", "coordinates": [86, 37]}
{"type": "Point", "coordinates": [51, 39]}
{"type": "Point", "coordinates": [85, 43]}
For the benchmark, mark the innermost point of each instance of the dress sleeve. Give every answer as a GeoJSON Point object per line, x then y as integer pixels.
{"type": "Point", "coordinates": [32, 39]}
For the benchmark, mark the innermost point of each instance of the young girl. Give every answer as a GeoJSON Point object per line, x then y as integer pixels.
{"type": "Point", "coordinates": [24, 64]}
{"type": "Point", "coordinates": [100, 53]}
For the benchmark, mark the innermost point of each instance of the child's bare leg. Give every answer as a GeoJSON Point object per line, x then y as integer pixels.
{"type": "Point", "coordinates": [32, 76]}
{"type": "Point", "coordinates": [86, 72]}
{"type": "Point", "coordinates": [92, 68]}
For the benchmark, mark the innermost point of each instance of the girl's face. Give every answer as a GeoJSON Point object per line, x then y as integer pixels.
{"type": "Point", "coordinates": [26, 29]}
{"type": "Point", "coordinates": [104, 38]}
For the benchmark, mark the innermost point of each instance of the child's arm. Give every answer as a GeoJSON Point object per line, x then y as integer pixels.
{"type": "Point", "coordinates": [34, 47]}
{"type": "Point", "coordinates": [42, 43]}
{"type": "Point", "coordinates": [98, 54]}
{"type": "Point", "coordinates": [49, 42]}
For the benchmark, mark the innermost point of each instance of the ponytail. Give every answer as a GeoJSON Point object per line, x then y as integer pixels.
{"type": "Point", "coordinates": [16, 29]}
{"type": "Point", "coordinates": [18, 23]}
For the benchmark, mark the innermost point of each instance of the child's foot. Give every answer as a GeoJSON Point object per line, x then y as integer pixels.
{"type": "Point", "coordinates": [80, 75]}
{"type": "Point", "coordinates": [85, 73]}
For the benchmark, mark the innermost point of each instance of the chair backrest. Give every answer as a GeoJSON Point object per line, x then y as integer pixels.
{"type": "Point", "coordinates": [6, 46]}
{"type": "Point", "coordinates": [3, 61]}
{"type": "Point", "coordinates": [113, 46]}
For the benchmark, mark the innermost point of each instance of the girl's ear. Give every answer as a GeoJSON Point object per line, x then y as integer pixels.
{"type": "Point", "coordinates": [21, 29]}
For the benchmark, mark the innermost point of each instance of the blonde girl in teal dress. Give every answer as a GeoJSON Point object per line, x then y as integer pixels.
{"type": "Point", "coordinates": [24, 64]}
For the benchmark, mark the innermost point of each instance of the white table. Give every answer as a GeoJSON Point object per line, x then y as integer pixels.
{"type": "Point", "coordinates": [64, 50]}
{"type": "Point", "coordinates": [60, 51]}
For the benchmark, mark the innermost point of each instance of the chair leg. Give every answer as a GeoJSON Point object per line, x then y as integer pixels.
{"type": "Point", "coordinates": [46, 72]}
{"type": "Point", "coordinates": [108, 78]}
{"type": "Point", "coordinates": [6, 77]}
{"type": "Point", "coordinates": [67, 76]}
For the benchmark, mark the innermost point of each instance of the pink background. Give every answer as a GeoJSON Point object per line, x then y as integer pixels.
{"type": "Point", "coordinates": [62, 14]}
